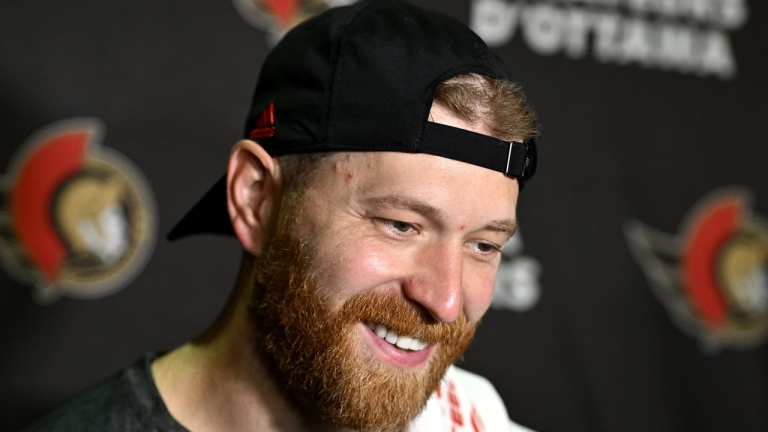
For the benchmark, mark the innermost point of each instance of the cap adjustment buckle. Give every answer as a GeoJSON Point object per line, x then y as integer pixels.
{"type": "Point", "coordinates": [521, 160]}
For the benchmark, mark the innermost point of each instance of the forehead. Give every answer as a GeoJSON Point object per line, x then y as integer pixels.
{"type": "Point", "coordinates": [455, 187]}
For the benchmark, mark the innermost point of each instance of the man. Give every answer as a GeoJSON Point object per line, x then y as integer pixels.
{"type": "Point", "coordinates": [377, 185]}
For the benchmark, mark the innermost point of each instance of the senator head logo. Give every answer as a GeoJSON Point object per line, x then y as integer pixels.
{"type": "Point", "coordinates": [278, 16]}
{"type": "Point", "coordinates": [76, 218]}
{"type": "Point", "coordinates": [713, 275]}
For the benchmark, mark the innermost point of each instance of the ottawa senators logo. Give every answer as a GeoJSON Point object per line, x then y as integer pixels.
{"type": "Point", "coordinates": [279, 16]}
{"type": "Point", "coordinates": [713, 276]}
{"type": "Point", "coordinates": [76, 218]}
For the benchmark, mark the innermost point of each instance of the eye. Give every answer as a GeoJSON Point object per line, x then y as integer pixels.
{"type": "Point", "coordinates": [396, 227]}
{"type": "Point", "coordinates": [485, 249]}
{"type": "Point", "coordinates": [401, 226]}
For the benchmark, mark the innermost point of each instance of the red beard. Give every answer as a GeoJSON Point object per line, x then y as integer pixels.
{"type": "Point", "coordinates": [314, 356]}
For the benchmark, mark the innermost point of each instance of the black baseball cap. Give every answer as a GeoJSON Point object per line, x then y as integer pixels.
{"type": "Point", "coordinates": [362, 78]}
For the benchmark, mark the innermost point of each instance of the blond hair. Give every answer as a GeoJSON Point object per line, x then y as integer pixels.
{"type": "Point", "coordinates": [480, 100]}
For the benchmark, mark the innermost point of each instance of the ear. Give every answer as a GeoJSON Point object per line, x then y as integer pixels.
{"type": "Point", "coordinates": [253, 194]}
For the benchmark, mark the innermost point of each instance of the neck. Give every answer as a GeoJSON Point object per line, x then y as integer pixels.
{"type": "Point", "coordinates": [219, 381]}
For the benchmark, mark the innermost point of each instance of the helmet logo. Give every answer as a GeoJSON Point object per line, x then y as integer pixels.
{"type": "Point", "coordinates": [79, 218]}
{"type": "Point", "coordinates": [713, 276]}
{"type": "Point", "coordinates": [278, 16]}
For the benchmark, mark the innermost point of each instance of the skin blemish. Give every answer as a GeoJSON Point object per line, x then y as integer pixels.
{"type": "Point", "coordinates": [350, 175]}
{"type": "Point", "coordinates": [461, 228]}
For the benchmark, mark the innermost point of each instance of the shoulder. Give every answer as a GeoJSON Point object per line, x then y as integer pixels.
{"type": "Point", "coordinates": [127, 401]}
{"type": "Point", "coordinates": [82, 412]}
{"type": "Point", "coordinates": [485, 400]}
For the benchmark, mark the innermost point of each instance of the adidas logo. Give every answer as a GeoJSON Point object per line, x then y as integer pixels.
{"type": "Point", "coordinates": [265, 124]}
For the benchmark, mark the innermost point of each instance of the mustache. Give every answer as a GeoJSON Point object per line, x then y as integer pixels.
{"type": "Point", "coordinates": [404, 317]}
{"type": "Point", "coordinates": [304, 287]}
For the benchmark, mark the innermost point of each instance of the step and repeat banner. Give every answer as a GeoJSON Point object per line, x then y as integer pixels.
{"type": "Point", "coordinates": [633, 298]}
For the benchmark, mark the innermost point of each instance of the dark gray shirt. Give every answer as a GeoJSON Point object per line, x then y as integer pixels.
{"type": "Point", "coordinates": [128, 401]}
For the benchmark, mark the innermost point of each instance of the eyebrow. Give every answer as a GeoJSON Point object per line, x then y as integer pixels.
{"type": "Point", "coordinates": [507, 226]}
{"type": "Point", "coordinates": [405, 203]}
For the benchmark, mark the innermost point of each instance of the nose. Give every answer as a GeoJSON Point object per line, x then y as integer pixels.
{"type": "Point", "coordinates": [437, 282]}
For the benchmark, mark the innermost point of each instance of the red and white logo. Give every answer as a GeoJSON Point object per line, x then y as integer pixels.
{"type": "Point", "coordinates": [77, 219]}
{"type": "Point", "coordinates": [278, 16]}
{"type": "Point", "coordinates": [713, 275]}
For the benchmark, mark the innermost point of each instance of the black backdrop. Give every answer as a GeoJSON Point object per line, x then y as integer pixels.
{"type": "Point", "coordinates": [638, 128]}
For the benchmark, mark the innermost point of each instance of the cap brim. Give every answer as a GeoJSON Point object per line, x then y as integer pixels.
{"type": "Point", "coordinates": [208, 216]}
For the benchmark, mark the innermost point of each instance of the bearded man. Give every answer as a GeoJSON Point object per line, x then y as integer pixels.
{"type": "Point", "coordinates": [372, 196]}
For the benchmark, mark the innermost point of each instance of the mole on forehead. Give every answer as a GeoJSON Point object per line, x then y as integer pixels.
{"type": "Point", "coordinates": [346, 162]}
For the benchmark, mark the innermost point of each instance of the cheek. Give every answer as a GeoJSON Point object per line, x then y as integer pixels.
{"type": "Point", "coordinates": [478, 292]}
{"type": "Point", "coordinates": [358, 266]}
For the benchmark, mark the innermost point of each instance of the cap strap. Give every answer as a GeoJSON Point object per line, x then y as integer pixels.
{"type": "Point", "coordinates": [513, 159]}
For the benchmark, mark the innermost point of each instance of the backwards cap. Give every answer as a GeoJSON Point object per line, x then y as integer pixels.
{"type": "Point", "coordinates": [362, 78]}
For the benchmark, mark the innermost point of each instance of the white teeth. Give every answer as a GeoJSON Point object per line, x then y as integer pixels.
{"type": "Point", "coordinates": [391, 337]}
{"type": "Point", "coordinates": [381, 331]}
{"type": "Point", "coordinates": [402, 342]}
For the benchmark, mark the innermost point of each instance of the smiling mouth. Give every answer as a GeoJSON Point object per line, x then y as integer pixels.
{"type": "Point", "coordinates": [403, 342]}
